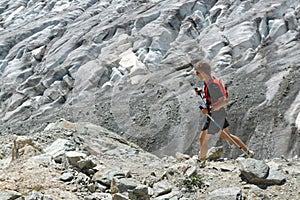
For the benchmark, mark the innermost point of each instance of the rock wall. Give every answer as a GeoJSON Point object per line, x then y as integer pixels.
{"type": "Point", "coordinates": [124, 65]}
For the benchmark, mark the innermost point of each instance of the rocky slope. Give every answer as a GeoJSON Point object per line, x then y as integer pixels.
{"type": "Point", "coordinates": [85, 161]}
{"type": "Point", "coordinates": [124, 65]}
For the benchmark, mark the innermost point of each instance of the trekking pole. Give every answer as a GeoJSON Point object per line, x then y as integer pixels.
{"type": "Point", "coordinates": [220, 127]}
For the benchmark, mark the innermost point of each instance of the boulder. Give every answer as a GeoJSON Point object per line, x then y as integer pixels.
{"type": "Point", "coordinates": [259, 173]}
{"type": "Point", "coordinates": [58, 148]}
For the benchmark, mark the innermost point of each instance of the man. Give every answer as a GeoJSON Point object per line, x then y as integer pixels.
{"type": "Point", "coordinates": [215, 97]}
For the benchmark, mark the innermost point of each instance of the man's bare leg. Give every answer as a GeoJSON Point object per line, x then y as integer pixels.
{"type": "Point", "coordinates": [229, 137]}
{"type": "Point", "coordinates": [204, 137]}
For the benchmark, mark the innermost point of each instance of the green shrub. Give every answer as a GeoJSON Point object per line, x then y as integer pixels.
{"type": "Point", "coordinates": [193, 182]}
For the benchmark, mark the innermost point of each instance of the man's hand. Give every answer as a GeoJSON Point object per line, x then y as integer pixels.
{"type": "Point", "coordinates": [197, 91]}
{"type": "Point", "coordinates": [204, 111]}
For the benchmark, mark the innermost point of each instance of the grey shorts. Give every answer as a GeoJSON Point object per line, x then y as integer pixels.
{"type": "Point", "coordinates": [220, 122]}
{"type": "Point", "coordinates": [208, 121]}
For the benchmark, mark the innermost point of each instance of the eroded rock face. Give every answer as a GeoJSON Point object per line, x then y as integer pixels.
{"type": "Point", "coordinates": [124, 65]}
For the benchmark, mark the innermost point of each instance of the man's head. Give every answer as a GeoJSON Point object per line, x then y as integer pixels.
{"type": "Point", "coordinates": [202, 67]}
{"type": "Point", "coordinates": [203, 70]}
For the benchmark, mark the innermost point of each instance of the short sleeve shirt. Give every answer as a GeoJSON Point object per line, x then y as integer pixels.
{"type": "Point", "coordinates": [220, 115]}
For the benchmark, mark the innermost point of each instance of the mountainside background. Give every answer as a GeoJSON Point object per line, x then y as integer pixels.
{"type": "Point", "coordinates": [124, 65]}
{"type": "Point", "coordinates": [97, 99]}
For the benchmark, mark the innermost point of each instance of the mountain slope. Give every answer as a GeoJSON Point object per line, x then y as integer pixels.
{"type": "Point", "coordinates": [124, 65]}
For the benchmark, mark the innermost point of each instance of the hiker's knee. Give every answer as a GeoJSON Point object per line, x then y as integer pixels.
{"type": "Point", "coordinates": [224, 134]}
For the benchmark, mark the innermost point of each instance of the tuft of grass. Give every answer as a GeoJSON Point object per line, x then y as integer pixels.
{"type": "Point", "coordinates": [193, 182]}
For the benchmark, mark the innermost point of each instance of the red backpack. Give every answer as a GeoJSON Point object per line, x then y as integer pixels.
{"type": "Point", "coordinates": [220, 83]}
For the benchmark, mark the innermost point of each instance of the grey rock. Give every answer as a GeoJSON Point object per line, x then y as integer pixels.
{"type": "Point", "coordinates": [175, 194]}
{"type": "Point", "coordinates": [99, 187]}
{"type": "Point", "coordinates": [119, 196]}
{"type": "Point", "coordinates": [106, 177]}
{"type": "Point", "coordinates": [259, 173]}
{"type": "Point", "coordinates": [68, 176]}
{"type": "Point", "coordinates": [253, 169]}
{"type": "Point", "coordinates": [58, 147]}
{"type": "Point", "coordinates": [9, 195]}
{"type": "Point", "coordinates": [100, 196]}
{"type": "Point", "coordinates": [181, 157]}
{"type": "Point", "coordinates": [126, 184]}
{"type": "Point", "coordinates": [162, 187]}
{"type": "Point", "coordinates": [92, 187]}
{"type": "Point", "coordinates": [87, 163]}
{"type": "Point", "coordinates": [139, 193]}
{"type": "Point", "coordinates": [254, 190]}
{"type": "Point", "coordinates": [75, 158]}
{"type": "Point", "coordinates": [35, 195]}
{"type": "Point", "coordinates": [215, 153]}
{"type": "Point", "coordinates": [226, 194]}
{"type": "Point", "coordinates": [291, 20]}
{"type": "Point", "coordinates": [47, 197]}
{"type": "Point", "coordinates": [82, 178]}
{"type": "Point", "coordinates": [275, 177]}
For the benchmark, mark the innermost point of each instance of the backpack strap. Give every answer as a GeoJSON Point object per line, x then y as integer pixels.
{"type": "Point", "coordinates": [206, 95]}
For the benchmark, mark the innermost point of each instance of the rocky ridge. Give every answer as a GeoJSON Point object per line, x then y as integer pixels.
{"type": "Point", "coordinates": [85, 161]}
{"type": "Point", "coordinates": [123, 65]}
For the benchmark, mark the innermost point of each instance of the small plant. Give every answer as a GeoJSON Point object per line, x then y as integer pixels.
{"type": "Point", "coordinates": [193, 182]}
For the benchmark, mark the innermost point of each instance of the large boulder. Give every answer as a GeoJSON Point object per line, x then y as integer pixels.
{"type": "Point", "coordinates": [259, 173]}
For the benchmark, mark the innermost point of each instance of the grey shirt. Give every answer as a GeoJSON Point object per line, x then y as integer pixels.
{"type": "Point", "coordinates": [220, 115]}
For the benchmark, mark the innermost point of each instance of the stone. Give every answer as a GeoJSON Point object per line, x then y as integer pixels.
{"type": "Point", "coordinates": [181, 156]}
{"type": "Point", "coordinates": [139, 193]}
{"type": "Point", "coordinates": [106, 177]}
{"type": "Point", "coordinates": [119, 196]}
{"type": "Point", "coordinates": [173, 195]}
{"type": "Point", "coordinates": [162, 187]}
{"type": "Point", "coordinates": [102, 196]}
{"type": "Point", "coordinates": [73, 158]}
{"type": "Point", "coordinates": [87, 163]}
{"type": "Point", "coordinates": [275, 177]}
{"type": "Point", "coordinates": [58, 147]}
{"type": "Point", "coordinates": [9, 194]}
{"type": "Point", "coordinates": [214, 153]}
{"type": "Point", "coordinates": [259, 173]}
{"type": "Point", "coordinates": [126, 184]}
{"type": "Point", "coordinates": [66, 177]}
{"type": "Point", "coordinates": [226, 194]}
{"type": "Point", "coordinates": [253, 169]}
